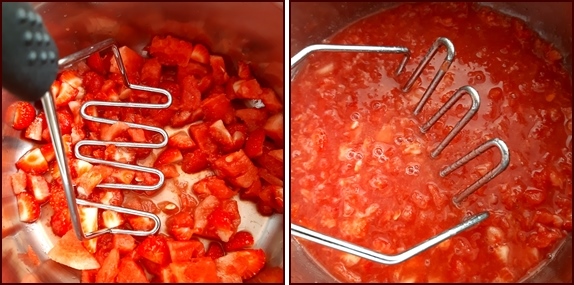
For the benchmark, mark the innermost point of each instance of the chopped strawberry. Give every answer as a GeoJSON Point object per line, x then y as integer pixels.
{"type": "Point", "coordinates": [79, 167]}
{"type": "Point", "coordinates": [20, 115]}
{"type": "Point", "coordinates": [18, 181]}
{"type": "Point", "coordinates": [247, 89]}
{"type": "Point", "coordinates": [89, 180]}
{"type": "Point", "coordinates": [204, 83]}
{"type": "Point", "coordinates": [112, 219]}
{"type": "Point", "coordinates": [182, 118]}
{"type": "Point", "coordinates": [214, 250]}
{"type": "Point", "coordinates": [61, 222]}
{"type": "Point", "coordinates": [220, 134]}
{"type": "Point", "coordinates": [200, 134]}
{"type": "Point", "coordinates": [190, 95]}
{"type": "Point", "coordinates": [170, 51]}
{"type": "Point", "coordinates": [212, 186]}
{"type": "Point", "coordinates": [200, 54]}
{"type": "Point", "coordinates": [109, 268]}
{"type": "Point", "coordinates": [97, 63]}
{"type": "Point", "coordinates": [124, 243]}
{"type": "Point", "coordinates": [75, 107]}
{"type": "Point", "coordinates": [254, 143]}
{"type": "Point", "coordinates": [192, 68]}
{"type": "Point", "coordinates": [92, 82]}
{"type": "Point", "coordinates": [66, 94]}
{"type": "Point", "coordinates": [270, 178]}
{"type": "Point", "coordinates": [120, 154]}
{"type": "Point", "coordinates": [165, 275]}
{"type": "Point", "coordinates": [272, 164]}
{"type": "Point", "coordinates": [154, 248]}
{"type": "Point", "coordinates": [180, 226]}
{"type": "Point", "coordinates": [194, 161]}
{"type": "Point", "coordinates": [34, 130]}
{"type": "Point", "coordinates": [122, 175]}
{"type": "Point", "coordinates": [168, 156]}
{"type": "Point", "coordinates": [65, 120]}
{"type": "Point", "coordinates": [39, 187]}
{"type": "Point", "coordinates": [237, 168]}
{"type": "Point", "coordinates": [239, 240]}
{"type": "Point", "coordinates": [181, 251]}
{"type": "Point", "coordinates": [130, 272]}
{"type": "Point", "coordinates": [146, 178]}
{"type": "Point", "coordinates": [89, 223]}
{"type": "Point", "coordinates": [151, 72]}
{"type": "Point", "coordinates": [243, 70]}
{"type": "Point", "coordinates": [270, 100]}
{"type": "Point", "coordinates": [88, 276]}
{"type": "Point", "coordinates": [268, 275]}
{"type": "Point", "coordinates": [245, 263]}
{"type": "Point", "coordinates": [33, 162]}
{"type": "Point", "coordinates": [169, 171]}
{"type": "Point", "coordinates": [218, 107]}
{"type": "Point", "coordinates": [252, 192]}
{"type": "Point", "coordinates": [278, 204]}
{"type": "Point", "coordinates": [253, 118]}
{"type": "Point", "coordinates": [132, 62]}
{"type": "Point", "coordinates": [203, 210]}
{"type": "Point", "coordinates": [110, 132]}
{"type": "Point", "coordinates": [28, 208]}
{"type": "Point", "coordinates": [222, 223]}
{"type": "Point", "coordinates": [77, 134]}
{"type": "Point", "coordinates": [181, 140]}
{"type": "Point", "coordinates": [274, 127]}
{"type": "Point", "coordinates": [57, 198]}
{"type": "Point", "coordinates": [201, 269]}
{"type": "Point", "coordinates": [141, 223]}
{"type": "Point", "coordinates": [218, 67]}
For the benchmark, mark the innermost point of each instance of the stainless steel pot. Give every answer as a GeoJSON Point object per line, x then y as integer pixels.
{"type": "Point", "coordinates": [241, 31]}
{"type": "Point", "coordinates": [310, 23]}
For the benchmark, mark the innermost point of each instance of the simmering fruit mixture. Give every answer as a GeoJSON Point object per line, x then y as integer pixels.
{"type": "Point", "coordinates": [225, 145]}
{"type": "Point", "coordinates": [361, 170]}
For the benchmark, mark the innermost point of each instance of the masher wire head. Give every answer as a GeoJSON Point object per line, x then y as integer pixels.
{"type": "Point", "coordinates": [51, 116]}
{"type": "Point", "coordinates": [338, 244]}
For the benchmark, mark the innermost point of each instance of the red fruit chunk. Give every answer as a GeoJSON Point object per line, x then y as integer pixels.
{"type": "Point", "coordinates": [203, 210]}
{"type": "Point", "coordinates": [220, 134]}
{"type": "Point", "coordinates": [194, 161]}
{"type": "Point", "coordinates": [268, 275]}
{"type": "Point", "coordinates": [61, 222]}
{"type": "Point", "coordinates": [18, 181]}
{"type": "Point", "coordinates": [237, 168]}
{"type": "Point", "coordinates": [243, 70]}
{"type": "Point", "coordinates": [200, 54]}
{"type": "Point", "coordinates": [181, 140]}
{"type": "Point", "coordinates": [200, 269]}
{"type": "Point", "coordinates": [218, 107]}
{"type": "Point", "coordinates": [218, 67]}
{"type": "Point", "coordinates": [35, 129]}
{"type": "Point", "coordinates": [154, 248]}
{"type": "Point", "coordinates": [33, 162]}
{"type": "Point", "coordinates": [274, 128]}
{"type": "Point", "coordinates": [124, 243]}
{"type": "Point", "coordinates": [239, 240]}
{"type": "Point", "coordinates": [39, 188]}
{"type": "Point", "coordinates": [252, 193]}
{"type": "Point", "coordinates": [151, 72]}
{"type": "Point", "coordinates": [97, 63]}
{"type": "Point", "coordinates": [168, 156]}
{"type": "Point", "coordinates": [110, 132]}
{"type": "Point", "coordinates": [132, 61]}
{"type": "Point", "coordinates": [254, 143]}
{"type": "Point", "coordinates": [222, 223]}
{"type": "Point", "coordinates": [182, 251]}
{"type": "Point", "coordinates": [109, 268]}
{"type": "Point", "coordinates": [200, 134]}
{"type": "Point", "coordinates": [247, 89]}
{"type": "Point", "coordinates": [171, 51]}
{"type": "Point", "coordinates": [20, 115]}
{"type": "Point", "coordinates": [253, 118]}
{"type": "Point", "coordinates": [270, 100]}
{"type": "Point", "coordinates": [272, 164]}
{"type": "Point", "coordinates": [212, 186]}
{"type": "Point", "coordinates": [89, 180]}
{"type": "Point", "coordinates": [180, 226]}
{"type": "Point", "coordinates": [245, 263]}
{"type": "Point", "coordinates": [190, 95]}
{"type": "Point", "coordinates": [214, 250]}
{"type": "Point", "coordinates": [130, 272]}
{"type": "Point", "coordinates": [28, 208]}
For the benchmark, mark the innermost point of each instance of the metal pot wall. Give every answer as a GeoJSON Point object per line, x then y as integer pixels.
{"type": "Point", "coordinates": [240, 31]}
{"type": "Point", "coordinates": [311, 23]}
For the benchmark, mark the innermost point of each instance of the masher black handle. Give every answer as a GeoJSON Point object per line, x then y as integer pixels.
{"type": "Point", "coordinates": [29, 54]}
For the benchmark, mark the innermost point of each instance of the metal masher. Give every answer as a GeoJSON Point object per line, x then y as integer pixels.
{"type": "Point", "coordinates": [29, 67]}
{"type": "Point", "coordinates": [368, 254]}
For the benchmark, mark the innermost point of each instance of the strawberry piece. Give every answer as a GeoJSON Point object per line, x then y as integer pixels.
{"type": "Point", "coordinates": [146, 178]}
{"type": "Point", "coordinates": [18, 181]}
{"type": "Point", "coordinates": [180, 226]}
{"type": "Point", "coordinates": [203, 210]}
{"type": "Point", "coordinates": [130, 272]}
{"type": "Point", "coordinates": [204, 83]}
{"type": "Point", "coordinates": [237, 168]}
{"type": "Point", "coordinates": [109, 268]}
{"type": "Point", "coordinates": [141, 223]}
{"type": "Point", "coordinates": [77, 134]}
{"type": "Point", "coordinates": [200, 54]}
{"type": "Point", "coordinates": [254, 143]}
{"type": "Point", "coordinates": [253, 118]}
{"type": "Point", "coordinates": [34, 130]}
{"type": "Point", "coordinates": [75, 107]}
{"type": "Point", "coordinates": [252, 192]}
{"type": "Point", "coordinates": [266, 201]}
{"type": "Point", "coordinates": [221, 135]}
{"type": "Point", "coordinates": [181, 140]}
{"type": "Point", "coordinates": [222, 223]}
{"type": "Point", "coordinates": [79, 167]}
{"type": "Point", "coordinates": [39, 187]}
{"type": "Point", "coordinates": [247, 89]}
{"type": "Point", "coordinates": [274, 128]}
{"type": "Point", "coordinates": [170, 51]}
{"type": "Point", "coordinates": [239, 240]}
{"type": "Point", "coordinates": [270, 100]}
{"type": "Point", "coordinates": [182, 251]}
{"type": "Point", "coordinates": [67, 93]}
{"type": "Point", "coordinates": [61, 222]}
{"type": "Point", "coordinates": [97, 63]}
{"type": "Point", "coordinates": [200, 134]}
{"type": "Point", "coordinates": [190, 95]}
{"type": "Point", "coordinates": [28, 208]}
{"type": "Point", "coordinates": [88, 276]}
{"type": "Point", "coordinates": [133, 63]}
{"type": "Point", "coordinates": [154, 248]}
{"type": "Point", "coordinates": [272, 164]}
{"type": "Point", "coordinates": [218, 107]}
{"type": "Point", "coordinates": [194, 161]}
{"type": "Point", "coordinates": [202, 270]}
{"type": "Point", "coordinates": [124, 176]}
{"type": "Point", "coordinates": [214, 250]}
{"type": "Point", "coordinates": [89, 223]}
{"type": "Point", "coordinates": [182, 118]}
{"type": "Point", "coordinates": [33, 162]}
{"type": "Point", "coordinates": [218, 67]}
{"type": "Point", "coordinates": [57, 198]}
{"type": "Point", "coordinates": [243, 70]}
{"type": "Point", "coordinates": [270, 178]}
{"type": "Point", "coordinates": [93, 82]}
{"type": "Point", "coordinates": [65, 120]}
{"type": "Point", "coordinates": [112, 219]}
{"type": "Point", "coordinates": [110, 132]}
{"type": "Point", "coordinates": [269, 275]}
{"type": "Point", "coordinates": [245, 263]}
{"type": "Point", "coordinates": [165, 275]}
{"type": "Point", "coordinates": [120, 154]}
{"type": "Point", "coordinates": [69, 251]}
{"type": "Point", "coordinates": [124, 243]}
{"type": "Point", "coordinates": [169, 171]}
{"type": "Point", "coordinates": [89, 180]}
{"type": "Point", "coordinates": [168, 156]}
{"type": "Point", "coordinates": [151, 72]}
{"type": "Point", "coordinates": [212, 186]}
{"type": "Point", "coordinates": [20, 115]}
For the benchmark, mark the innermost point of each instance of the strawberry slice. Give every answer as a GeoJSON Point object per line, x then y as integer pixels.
{"type": "Point", "coordinates": [66, 94]}
{"type": "Point", "coordinates": [65, 120]}
{"type": "Point", "coordinates": [254, 143]}
{"type": "Point", "coordinates": [270, 161]}
{"type": "Point", "coordinates": [35, 129]}
{"type": "Point", "coordinates": [200, 134]}
{"type": "Point", "coordinates": [20, 115]}
{"type": "Point", "coordinates": [169, 170]}
{"type": "Point", "coordinates": [110, 132]}
{"type": "Point", "coordinates": [270, 178]}
{"type": "Point", "coordinates": [270, 100]}
{"type": "Point", "coordinates": [190, 95]}
{"type": "Point", "coordinates": [203, 210]}
{"type": "Point", "coordinates": [202, 270]}
{"type": "Point", "coordinates": [247, 89]}
{"type": "Point", "coordinates": [154, 248]}
{"type": "Point", "coordinates": [79, 167]}
{"type": "Point", "coordinates": [28, 208]}
{"type": "Point", "coordinates": [222, 223]}
{"type": "Point", "coordinates": [214, 250]}
{"type": "Point", "coordinates": [212, 186]}
{"type": "Point", "coordinates": [243, 70]}
{"type": "Point", "coordinates": [120, 154]}
{"type": "Point", "coordinates": [274, 127]}
{"type": "Point", "coordinates": [253, 118]}
{"type": "Point", "coordinates": [151, 72]}
{"type": "Point", "coordinates": [133, 63]}
{"type": "Point", "coordinates": [181, 140]}
{"type": "Point", "coordinates": [77, 134]}
{"type": "Point", "coordinates": [18, 181]}
{"type": "Point", "coordinates": [245, 263]}
{"type": "Point", "coordinates": [33, 162]}
{"type": "Point", "coordinates": [221, 135]}
{"type": "Point", "coordinates": [130, 272]}
{"type": "Point", "coordinates": [112, 219]}
{"type": "Point", "coordinates": [89, 180]}
{"type": "Point", "coordinates": [70, 252]}
{"type": "Point", "coordinates": [237, 168]}
{"type": "Point", "coordinates": [109, 268]}
{"type": "Point", "coordinates": [165, 275]}
{"type": "Point", "coordinates": [218, 67]}
{"type": "Point", "coordinates": [39, 187]}
{"type": "Point", "coordinates": [93, 82]}
{"type": "Point", "coordinates": [182, 251]}
{"type": "Point", "coordinates": [182, 118]}
{"type": "Point", "coordinates": [194, 161]}
{"type": "Point", "coordinates": [218, 107]}
{"type": "Point", "coordinates": [61, 222]}
{"type": "Point", "coordinates": [89, 223]}
{"type": "Point", "coordinates": [168, 156]}
{"type": "Point", "coordinates": [200, 54]}
{"type": "Point", "coordinates": [124, 243]}
{"type": "Point", "coordinates": [180, 226]}
{"type": "Point", "coordinates": [192, 68]}
{"type": "Point", "coordinates": [122, 175]}
{"type": "Point", "coordinates": [97, 63]}
{"type": "Point", "coordinates": [170, 51]}
{"type": "Point", "coordinates": [71, 77]}
{"type": "Point", "coordinates": [252, 192]}
{"type": "Point", "coordinates": [239, 240]}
